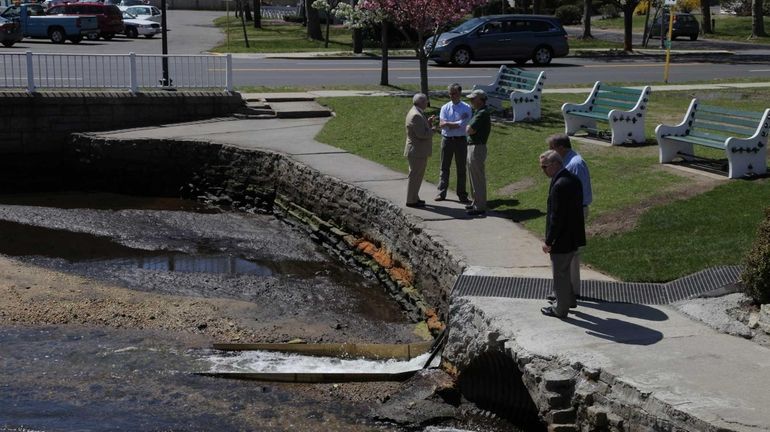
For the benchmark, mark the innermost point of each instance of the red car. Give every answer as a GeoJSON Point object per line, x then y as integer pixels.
{"type": "Point", "coordinates": [109, 16]}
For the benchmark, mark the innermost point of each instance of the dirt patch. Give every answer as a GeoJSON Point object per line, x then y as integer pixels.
{"type": "Point", "coordinates": [625, 219]}
{"type": "Point", "coordinates": [516, 187]}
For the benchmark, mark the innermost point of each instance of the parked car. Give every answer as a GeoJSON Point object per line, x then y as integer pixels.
{"type": "Point", "coordinates": [502, 37]}
{"type": "Point", "coordinates": [685, 24]}
{"type": "Point", "coordinates": [136, 26]}
{"type": "Point", "coordinates": [149, 13]}
{"type": "Point", "coordinates": [109, 16]}
{"type": "Point", "coordinates": [122, 4]}
{"type": "Point", "coordinates": [10, 32]}
{"type": "Point", "coordinates": [35, 24]}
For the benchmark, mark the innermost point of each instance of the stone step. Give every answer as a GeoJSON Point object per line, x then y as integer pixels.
{"type": "Point", "coordinates": [304, 109]}
{"type": "Point", "coordinates": [564, 416]}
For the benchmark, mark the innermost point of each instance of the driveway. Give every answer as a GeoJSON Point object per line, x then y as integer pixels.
{"type": "Point", "coordinates": [190, 32]}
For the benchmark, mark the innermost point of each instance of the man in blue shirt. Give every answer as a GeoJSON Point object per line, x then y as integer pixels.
{"type": "Point", "coordinates": [575, 164]}
{"type": "Point", "coordinates": [453, 119]}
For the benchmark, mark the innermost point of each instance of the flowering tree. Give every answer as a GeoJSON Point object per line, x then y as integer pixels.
{"type": "Point", "coordinates": [328, 7]}
{"type": "Point", "coordinates": [424, 17]}
{"type": "Point", "coordinates": [357, 18]}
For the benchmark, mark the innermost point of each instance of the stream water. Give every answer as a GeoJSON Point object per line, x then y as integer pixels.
{"type": "Point", "coordinates": [123, 298]}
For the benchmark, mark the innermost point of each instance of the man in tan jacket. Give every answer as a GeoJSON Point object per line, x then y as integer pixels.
{"type": "Point", "coordinates": [419, 146]}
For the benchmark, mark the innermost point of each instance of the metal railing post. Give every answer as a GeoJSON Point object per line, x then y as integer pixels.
{"type": "Point", "coordinates": [30, 74]}
{"type": "Point", "coordinates": [229, 73]}
{"type": "Point", "coordinates": [132, 73]}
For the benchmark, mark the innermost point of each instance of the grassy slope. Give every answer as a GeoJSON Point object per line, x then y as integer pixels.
{"type": "Point", "coordinates": [622, 177]}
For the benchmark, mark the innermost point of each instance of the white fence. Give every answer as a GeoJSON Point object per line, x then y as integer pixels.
{"type": "Point", "coordinates": [132, 72]}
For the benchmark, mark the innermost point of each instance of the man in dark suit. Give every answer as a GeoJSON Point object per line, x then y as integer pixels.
{"type": "Point", "coordinates": [564, 230]}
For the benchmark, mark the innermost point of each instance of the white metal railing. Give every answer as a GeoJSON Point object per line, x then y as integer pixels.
{"type": "Point", "coordinates": [132, 72]}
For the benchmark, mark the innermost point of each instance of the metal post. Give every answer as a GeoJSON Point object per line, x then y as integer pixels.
{"type": "Point", "coordinates": [165, 81]}
{"type": "Point", "coordinates": [229, 73]}
{"type": "Point", "coordinates": [668, 42]}
{"type": "Point", "coordinates": [30, 74]}
{"type": "Point", "coordinates": [132, 73]}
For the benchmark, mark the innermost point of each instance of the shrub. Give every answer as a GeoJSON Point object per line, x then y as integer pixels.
{"type": "Point", "coordinates": [609, 11]}
{"type": "Point", "coordinates": [642, 7]}
{"type": "Point", "coordinates": [756, 272]}
{"type": "Point", "coordinates": [569, 14]}
{"type": "Point", "coordinates": [687, 5]}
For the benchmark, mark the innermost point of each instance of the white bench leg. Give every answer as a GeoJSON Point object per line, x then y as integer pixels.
{"type": "Point", "coordinates": [573, 124]}
{"type": "Point", "coordinates": [526, 111]}
{"type": "Point", "coordinates": [670, 150]}
{"type": "Point", "coordinates": [741, 164]}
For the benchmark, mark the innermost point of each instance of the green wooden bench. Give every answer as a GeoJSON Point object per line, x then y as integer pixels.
{"type": "Point", "coordinates": [524, 89]}
{"type": "Point", "coordinates": [621, 107]}
{"type": "Point", "coordinates": [742, 135]}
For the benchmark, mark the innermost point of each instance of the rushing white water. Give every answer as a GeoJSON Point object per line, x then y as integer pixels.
{"type": "Point", "coordinates": [275, 362]}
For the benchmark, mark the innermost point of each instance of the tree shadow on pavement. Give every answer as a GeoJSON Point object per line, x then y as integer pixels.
{"type": "Point", "coordinates": [614, 330]}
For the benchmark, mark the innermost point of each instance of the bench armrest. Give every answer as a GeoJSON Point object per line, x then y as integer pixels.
{"type": "Point", "coordinates": [662, 131]}
{"type": "Point", "coordinates": [567, 107]}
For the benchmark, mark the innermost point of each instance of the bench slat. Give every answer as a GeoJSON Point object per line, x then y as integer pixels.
{"type": "Point", "coordinates": [699, 141]}
{"type": "Point", "coordinates": [598, 116]}
{"type": "Point", "coordinates": [735, 113]}
{"type": "Point", "coordinates": [624, 90]}
{"type": "Point", "coordinates": [720, 118]}
{"type": "Point", "coordinates": [614, 104]}
{"type": "Point", "coordinates": [723, 127]}
{"type": "Point", "coordinates": [617, 96]}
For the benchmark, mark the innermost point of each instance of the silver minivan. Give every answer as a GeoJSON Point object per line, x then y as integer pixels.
{"type": "Point", "coordinates": [502, 37]}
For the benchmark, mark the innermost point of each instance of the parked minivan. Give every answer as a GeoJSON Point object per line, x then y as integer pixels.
{"type": "Point", "coordinates": [502, 37]}
{"type": "Point", "coordinates": [109, 16]}
{"type": "Point", "coordinates": [685, 24]}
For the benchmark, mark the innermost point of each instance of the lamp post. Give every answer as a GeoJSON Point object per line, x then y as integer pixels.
{"type": "Point", "coordinates": [165, 81]}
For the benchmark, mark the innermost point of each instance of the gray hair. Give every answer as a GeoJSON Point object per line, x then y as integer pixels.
{"type": "Point", "coordinates": [549, 156]}
{"type": "Point", "coordinates": [418, 97]}
{"type": "Point", "coordinates": [455, 86]}
{"type": "Point", "coordinates": [558, 140]}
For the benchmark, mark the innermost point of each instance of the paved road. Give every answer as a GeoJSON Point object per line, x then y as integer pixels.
{"type": "Point", "coordinates": [280, 72]}
{"type": "Point", "coordinates": [190, 32]}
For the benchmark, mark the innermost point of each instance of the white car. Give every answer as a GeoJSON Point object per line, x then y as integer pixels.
{"type": "Point", "coordinates": [135, 26]}
{"type": "Point", "coordinates": [150, 13]}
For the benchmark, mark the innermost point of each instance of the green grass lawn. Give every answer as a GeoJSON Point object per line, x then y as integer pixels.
{"type": "Point", "coordinates": [278, 37]}
{"type": "Point", "coordinates": [669, 241]}
{"type": "Point", "coordinates": [727, 27]}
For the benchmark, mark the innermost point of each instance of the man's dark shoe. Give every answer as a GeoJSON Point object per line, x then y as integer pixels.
{"type": "Point", "coordinates": [550, 297]}
{"type": "Point", "coordinates": [440, 197]}
{"type": "Point", "coordinates": [464, 200]}
{"type": "Point", "coordinates": [421, 202]}
{"type": "Point", "coordinates": [417, 204]}
{"type": "Point", "coordinates": [469, 207]}
{"type": "Point", "coordinates": [549, 311]}
{"type": "Point", "coordinates": [475, 212]}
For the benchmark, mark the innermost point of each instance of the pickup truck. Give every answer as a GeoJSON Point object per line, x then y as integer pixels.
{"type": "Point", "coordinates": [35, 24]}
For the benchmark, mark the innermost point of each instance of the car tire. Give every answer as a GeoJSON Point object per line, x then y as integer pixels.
{"type": "Point", "coordinates": [132, 32]}
{"type": "Point", "coordinates": [461, 56]}
{"type": "Point", "coordinates": [76, 39]}
{"type": "Point", "coordinates": [149, 36]}
{"type": "Point", "coordinates": [542, 55]}
{"type": "Point", "coordinates": [8, 43]}
{"type": "Point", "coordinates": [57, 35]}
{"type": "Point", "coordinates": [108, 36]}
{"type": "Point", "coordinates": [694, 37]}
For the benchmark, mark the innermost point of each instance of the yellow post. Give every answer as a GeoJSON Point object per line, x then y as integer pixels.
{"type": "Point", "coordinates": [668, 42]}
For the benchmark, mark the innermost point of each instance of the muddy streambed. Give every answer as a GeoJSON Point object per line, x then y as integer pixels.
{"type": "Point", "coordinates": [107, 303]}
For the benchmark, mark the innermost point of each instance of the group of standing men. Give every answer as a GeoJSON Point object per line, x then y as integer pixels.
{"type": "Point", "coordinates": [464, 135]}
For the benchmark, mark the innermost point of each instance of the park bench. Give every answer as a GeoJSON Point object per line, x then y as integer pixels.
{"type": "Point", "coordinates": [742, 135]}
{"type": "Point", "coordinates": [522, 88]}
{"type": "Point", "coordinates": [623, 108]}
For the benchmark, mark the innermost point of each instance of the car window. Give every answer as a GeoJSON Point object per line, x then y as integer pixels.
{"type": "Point", "coordinates": [35, 10]}
{"type": "Point", "coordinates": [519, 26]}
{"type": "Point", "coordinates": [11, 12]}
{"type": "Point", "coordinates": [539, 26]}
{"type": "Point", "coordinates": [155, 11]}
{"type": "Point", "coordinates": [56, 10]}
{"type": "Point", "coordinates": [492, 27]}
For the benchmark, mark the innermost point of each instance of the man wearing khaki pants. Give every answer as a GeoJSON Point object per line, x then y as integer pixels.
{"type": "Point", "coordinates": [419, 146]}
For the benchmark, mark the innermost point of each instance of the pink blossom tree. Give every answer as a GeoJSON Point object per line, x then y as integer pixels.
{"type": "Point", "coordinates": [426, 18]}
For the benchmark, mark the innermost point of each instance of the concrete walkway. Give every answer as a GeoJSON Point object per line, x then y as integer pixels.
{"type": "Point", "coordinates": [682, 368]}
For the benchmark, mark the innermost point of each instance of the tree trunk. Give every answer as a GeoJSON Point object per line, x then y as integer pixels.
{"type": "Point", "coordinates": [313, 22]}
{"type": "Point", "coordinates": [384, 43]}
{"type": "Point", "coordinates": [258, 14]}
{"type": "Point", "coordinates": [587, 20]}
{"type": "Point", "coordinates": [757, 22]}
{"type": "Point", "coordinates": [422, 56]}
{"type": "Point", "coordinates": [358, 41]}
{"type": "Point", "coordinates": [628, 24]}
{"type": "Point", "coordinates": [646, 32]}
{"type": "Point", "coordinates": [705, 9]}
{"type": "Point", "coordinates": [238, 8]}
{"type": "Point", "coordinates": [328, 24]}
{"type": "Point", "coordinates": [247, 10]}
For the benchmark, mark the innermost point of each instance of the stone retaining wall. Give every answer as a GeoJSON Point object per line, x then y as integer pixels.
{"type": "Point", "coordinates": [569, 397]}
{"type": "Point", "coordinates": [34, 127]}
{"type": "Point", "coordinates": [252, 180]}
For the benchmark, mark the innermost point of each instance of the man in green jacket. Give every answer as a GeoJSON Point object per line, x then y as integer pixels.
{"type": "Point", "coordinates": [478, 132]}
